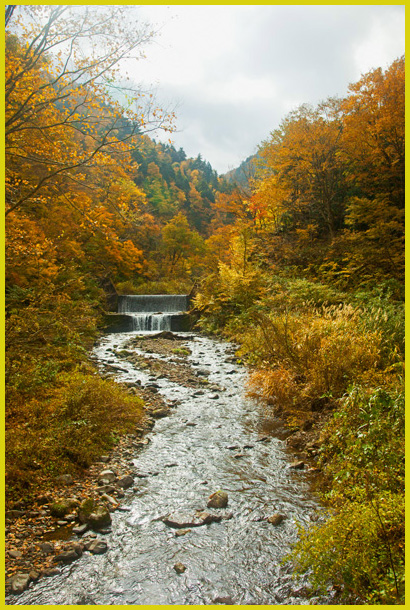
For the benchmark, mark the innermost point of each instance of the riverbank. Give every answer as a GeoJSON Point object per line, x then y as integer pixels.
{"type": "Point", "coordinates": [36, 537]}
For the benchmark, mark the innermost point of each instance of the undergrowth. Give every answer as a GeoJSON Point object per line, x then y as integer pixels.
{"type": "Point", "coordinates": [64, 429]}
{"type": "Point", "coordinates": [312, 347]}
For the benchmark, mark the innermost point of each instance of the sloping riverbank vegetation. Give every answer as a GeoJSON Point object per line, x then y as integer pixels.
{"type": "Point", "coordinates": [302, 265]}
{"type": "Point", "coordinates": [313, 292]}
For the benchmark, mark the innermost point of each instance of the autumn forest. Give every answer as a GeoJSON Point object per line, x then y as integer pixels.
{"type": "Point", "coordinates": [298, 259]}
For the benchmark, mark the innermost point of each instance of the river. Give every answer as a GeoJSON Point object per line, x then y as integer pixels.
{"type": "Point", "coordinates": [212, 440]}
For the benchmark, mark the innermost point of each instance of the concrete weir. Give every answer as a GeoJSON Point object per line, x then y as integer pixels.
{"type": "Point", "coordinates": [146, 312]}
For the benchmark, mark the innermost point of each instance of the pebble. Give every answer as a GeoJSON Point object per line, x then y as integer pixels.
{"type": "Point", "coordinates": [15, 554]}
{"type": "Point", "coordinates": [179, 568]}
{"type": "Point", "coordinates": [182, 532]}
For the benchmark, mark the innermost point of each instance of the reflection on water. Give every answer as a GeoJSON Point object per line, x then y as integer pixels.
{"type": "Point", "coordinates": [183, 464]}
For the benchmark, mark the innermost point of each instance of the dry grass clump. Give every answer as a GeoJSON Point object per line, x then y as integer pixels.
{"type": "Point", "coordinates": [303, 358]}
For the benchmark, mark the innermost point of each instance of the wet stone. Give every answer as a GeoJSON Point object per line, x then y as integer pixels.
{"type": "Point", "coordinates": [159, 413]}
{"type": "Point", "coordinates": [34, 575]}
{"type": "Point", "coordinates": [297, 465]}
{"type": "Point", "coordinates": [97, 547]}
{"type": "Point", "coordinates": [109, 499]}
{"type": "Point", "coordinates": [276, 519]}
{"type": "Point", "coordinates": [224, 600]}
{"type": "Point", "coordinates": [80, 529]}
{"type": "Point", "coordinates": [126, 481]}
{"type": "Point", "coordinates": [183, 520]}
{"type": "Point", "coordinates": [67, 556]}
{"type": "Point", "coordinates": [51, 571]}
{"type": "Point", "coordinates": [183, 532]}
{"type": "Point", "coordinates": [219, 499]}
{"type": "Point", "coordinates": [19, 583]}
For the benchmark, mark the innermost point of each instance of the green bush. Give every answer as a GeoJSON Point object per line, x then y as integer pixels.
{"type": "Point", "coordinates": [364, 452]}
{"type": "Point", "coordinates": [361, 545]}
{"type": "Point", "coordinates": [359, 549]}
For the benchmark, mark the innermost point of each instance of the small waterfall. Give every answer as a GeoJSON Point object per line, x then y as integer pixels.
{"type": "Point", "coordinates": [155, 312]}
{"type": "Point", "coordinates": [148, 321]}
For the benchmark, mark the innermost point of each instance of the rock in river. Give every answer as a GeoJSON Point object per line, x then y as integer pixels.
{"type": "Point", "coordinates": [97, 516]}
{"type": "Point", "coordinates": [126, 481]}
{"type": "Point", "coordinates": [275, 519]}
{"type": "Point", "coordinates": [96, 547]}
{"type": "Point", "coordinates": [183, 520]}
{"type": "Point", "coordinates": [297, 465]}
{"type": "Point", "coordinates": [158, 413]}
{"type": "Point", "coordinates": [69, 555]}
{"type": "Point", "coordinates": [179, 568]}
{"type": "Point", "coordinates": [219, 499]}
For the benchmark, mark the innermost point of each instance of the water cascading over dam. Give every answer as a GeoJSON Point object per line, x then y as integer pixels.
{"type": "Point", "coordinates": [148, 312]}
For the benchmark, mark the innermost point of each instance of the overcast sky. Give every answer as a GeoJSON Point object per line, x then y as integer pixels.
{"type": "Point", "coordinates": [233, 72]}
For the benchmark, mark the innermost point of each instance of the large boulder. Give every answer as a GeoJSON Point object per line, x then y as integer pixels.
{"type": "Point", "coordinates": [99, 518]}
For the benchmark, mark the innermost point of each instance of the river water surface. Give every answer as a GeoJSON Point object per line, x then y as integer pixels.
{"type": "Point", "coordinates": [191, 454]}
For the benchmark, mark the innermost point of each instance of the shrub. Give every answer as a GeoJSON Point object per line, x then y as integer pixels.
{"type": "Point", "coordinates": [358, 549]}
{"type": "Point", "coordinates": [365, 444]}
{"type": "Point", "coordinates": [66, 430]}
{"type": "Point", "coordinates": [361, 545]}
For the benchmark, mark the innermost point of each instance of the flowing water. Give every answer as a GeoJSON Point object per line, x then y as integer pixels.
{"type": "Point", "coordinates": [154, 312]}
{"type": "Point", "coordinates": [190, 456]}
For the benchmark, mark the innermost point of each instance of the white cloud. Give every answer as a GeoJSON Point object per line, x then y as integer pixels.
{"type": "Point", "coordinates": [386, 40]}
{"type": "Point", "coordinates": [234, 71]}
